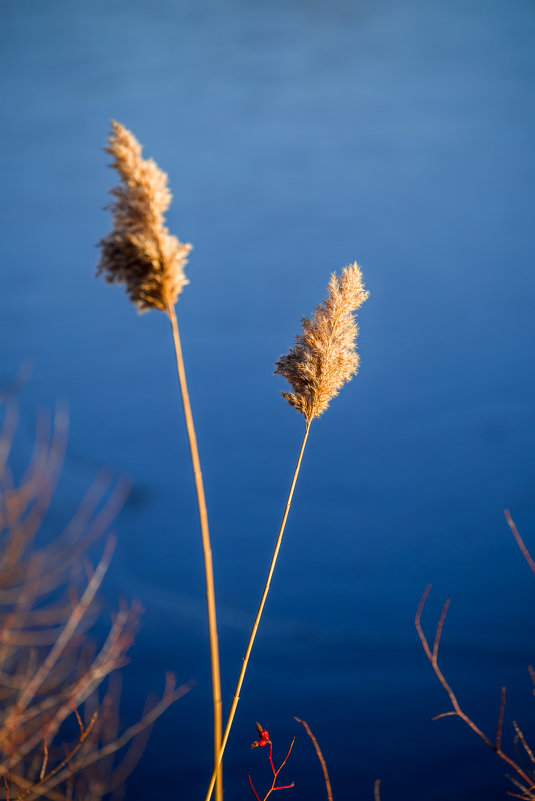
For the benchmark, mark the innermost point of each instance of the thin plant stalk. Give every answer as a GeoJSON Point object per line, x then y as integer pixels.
{"type": "Point", "coordinates": [141, 253]}
{"type": "Point", "coordinates": [254, 629]}
{"type": "Point", "coordinates": [207, 551]}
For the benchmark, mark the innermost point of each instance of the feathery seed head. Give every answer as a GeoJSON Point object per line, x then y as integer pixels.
{"type": "Point", "coordinates": [325, 356]}
{"type": "Point", "coordinates": [139, 252]}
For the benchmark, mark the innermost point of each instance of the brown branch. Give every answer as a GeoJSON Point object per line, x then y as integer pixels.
{"type": "Point", "coordinates": [42, 772]}
{"type": "Point", "coordinates": [68, 758]}
{"type": "Point", "coordinates": [520, 542]}
{"type": "Point", "coordinates": [170, 695]}
{"type": "Point", "coordinates": [46, 659]}
{"type": "Point", "coordinates": [500, 721]}
{"type": "Point", "coordinates": [433, 659]}
{"type": "Point", "coordinates": [520, 736]}
{"type": "Point", "coordinates": [70, 627]}
{"type": "Point", "coordinates": [320, 757]}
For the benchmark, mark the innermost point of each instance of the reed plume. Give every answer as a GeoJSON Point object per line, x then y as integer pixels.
{"type": "Point", "coordinates": [323, 358]}
{"type": "Point", "coordinates": [325, 355]}
{"type": "Point", "coordinates": [142, 254]}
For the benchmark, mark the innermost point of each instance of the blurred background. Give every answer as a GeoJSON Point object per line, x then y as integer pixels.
{"type": "Point", "coordinates": [298, 137]}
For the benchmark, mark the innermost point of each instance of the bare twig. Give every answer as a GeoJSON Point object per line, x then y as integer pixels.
{"type": "Point", "coordinates": [520, 541]}
{"type": "Point", "coordinates": [432, 655]}
{"type": "Point", "coordinates": [275, 771]}
{"type": "Point", "coordinates": [500, 721]}
{"type": "Point", "coordinates": [377, 790]}
{"type": "Point", "coordinates": [45, 759]}
{"type": "Point", "coordinates": [320, 757]}
{"type": "Point", "coordinates": [70, 627]}
{"type": "Point", "coordinates": [83, 736]}
{"type": "Point", "coordinates": [47, 662]}
{"type": "Point", "coordinates": [520, 736]}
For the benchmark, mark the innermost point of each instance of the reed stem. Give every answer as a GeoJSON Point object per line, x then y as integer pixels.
{"type": "Point", "coordinates": [257, 619]}
{"type": "Point", "coordinates": [207, 551]}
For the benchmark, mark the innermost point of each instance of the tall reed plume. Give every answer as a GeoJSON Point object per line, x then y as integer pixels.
{"type": "Point", "coordinates": [140, 253]}
{"type": "Point", "coordinates": [325, 354]}
{"type": "Point", "coordinates": [322, 360]}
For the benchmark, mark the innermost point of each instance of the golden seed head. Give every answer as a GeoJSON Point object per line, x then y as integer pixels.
{"type": "Point", "coordinates": [325, 354]}
{"type": "Point", "coordinates": [140, 252]}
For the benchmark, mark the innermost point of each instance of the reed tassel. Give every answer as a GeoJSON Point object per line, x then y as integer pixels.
{"type": "Point", "coordinates": [141, 254]}
{"type": "Point", "coordinates": [323, 358]}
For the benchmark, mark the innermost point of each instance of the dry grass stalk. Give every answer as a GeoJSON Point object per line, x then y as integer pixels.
{"type": "Point", "coordinates": [142, 254]}
{"type": "Point", "coordinates": [322, 360]}
{"type": "Point", "coordinates": [47, 661]}
{"type": "Point", "coordinates": [325, 355]}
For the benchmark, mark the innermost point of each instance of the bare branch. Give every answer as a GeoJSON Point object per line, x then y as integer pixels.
{"type": "Point", "coordinates": [520, 541]}
{"type": "Point", "coordinates": [500, 721]}
{"type": "Point", "coordinates": [433, 659]}
{"type": "Point", "coordinates": [320, 757]}
{"type": "Point", "coordinates": [522, 739]}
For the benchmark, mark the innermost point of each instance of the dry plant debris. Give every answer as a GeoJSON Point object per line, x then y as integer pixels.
{"type": "Point", "coordinates": [524, 764]}
{"type": "Point", "coordinates": [50, 668]}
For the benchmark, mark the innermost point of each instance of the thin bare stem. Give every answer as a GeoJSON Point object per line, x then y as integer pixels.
{"type": "Point", "coordinates": [320, 757]}
{"type": "Point", "coordinates": [253, 789]}
{"type": "Point", "coordinates": [45, 759]}
{"type": "Point", "coordinates": [70, 627]}
{"type": "Point", "coordinates": [520, 735]}
{"type": "Point", "coordinates": [83, 736]}
{"type": "Point", "coordinates": [275, 772]}
{"type": "Point", "coordinates": [377, 790]}
{"type": "Point", "coordinates": [207, 551]}
{"type": "Point", "coordinates": [261, 605]}
{"type": "Point", "coordinates": [169, 697]}
{"type": "Point", "coordinates": [500, 721]}
{"type": "Point", "coordinates": [520, 542]}
{"type": "Point", "coordinates": [432, 655]}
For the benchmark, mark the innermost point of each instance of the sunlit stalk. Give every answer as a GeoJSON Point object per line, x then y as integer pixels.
{"type": "Point", "coordinates": [207, 551]}
{"type": "Point", "coordinates": [257, 619]}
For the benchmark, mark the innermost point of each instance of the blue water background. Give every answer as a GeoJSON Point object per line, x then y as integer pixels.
{"type": "Point", "coordinates": [298, 137]}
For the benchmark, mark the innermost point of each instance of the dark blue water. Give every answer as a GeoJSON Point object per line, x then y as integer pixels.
{"type": "Point", "coordinates": [298, 137]}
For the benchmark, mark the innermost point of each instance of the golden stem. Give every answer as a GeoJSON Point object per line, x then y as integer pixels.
{"type": "Point", "coordinates": [257, 619]}
{"type": "Point", "coordinates": [207, 551]}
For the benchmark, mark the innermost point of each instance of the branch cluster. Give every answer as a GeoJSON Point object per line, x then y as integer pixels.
{"type": "Point", "coordinates": [50, 668]}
